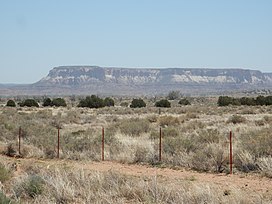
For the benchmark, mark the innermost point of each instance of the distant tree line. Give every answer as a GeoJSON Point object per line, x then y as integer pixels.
{"type": "Point", "coordinates": [248, 101]}
{"type": "Point", "coordinates": [55, 102]}
{"type": "Point", "coordinates": [96, 102]}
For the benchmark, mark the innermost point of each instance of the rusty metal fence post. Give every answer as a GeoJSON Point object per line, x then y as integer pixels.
{"type": "Point", "coordinates": [58, 143]}
{"type": "Point", "coordinates": [102, 145]}
{"type": "Point", "coordinates": [230, 151]}
{"type": "Point", "coordinates": [160, 145]}
{"type": "Point", "coordinates": [19, 142]}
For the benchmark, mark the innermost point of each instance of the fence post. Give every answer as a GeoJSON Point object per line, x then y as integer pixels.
{"type": "Point", "coordinates": [230, 156]}
{"type": "Point", "coordinates": [102, 144]}
{"type": "Point", "coordinates": [160, 145]}
{"type": "Point", "coordinates": [20, 132]}
{"type": "Point", "coordinates": [58, 142]}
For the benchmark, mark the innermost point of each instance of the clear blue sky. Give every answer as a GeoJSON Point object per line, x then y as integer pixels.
{"type": "Point", "coordinates": [37, 35]}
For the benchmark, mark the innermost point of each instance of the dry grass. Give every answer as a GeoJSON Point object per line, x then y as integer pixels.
{"type": "Point", "coordinates": [194, 137]}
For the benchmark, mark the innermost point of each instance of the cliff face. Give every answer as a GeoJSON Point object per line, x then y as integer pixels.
{"type": "Point", "coordinates": [82, 75]}
{"type": "Point", "coordinates": [67, 80]}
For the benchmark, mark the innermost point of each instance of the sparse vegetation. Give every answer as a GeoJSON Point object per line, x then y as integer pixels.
{"type": "Point", "coordinates": [184, 102]}
{"type": "Point", "coordinates": [260, 100]}
{"type": "Point", "coordinates": [193, 137]}
{"type": "Point", "coordinates": [4, 173]}
{"type": "Point", "coordinates": [29, 103]}
{"type": "Point", "coordinates": [173, 95]}
{"type": "Point", "coordinates": [137, 103]}
{"type": "Point", "coordinates": [47, 102]}
{"type": "Point", "coordinates": [11, 103]}
{"type": "Point", "coordinates": [108, 102]}
{"type": "Point", "coordinates": [58, 102]}
{"type": "Point", "coordinates": [92, 102]}
{"type": "Point", "coordinates": [164, 103]}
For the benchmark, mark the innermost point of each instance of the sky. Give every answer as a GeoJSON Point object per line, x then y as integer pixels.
{"type": "Point", "coordinates": [37, 35]}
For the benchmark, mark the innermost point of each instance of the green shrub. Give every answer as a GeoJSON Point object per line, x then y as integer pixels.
{"type": "Point", "coordinates": [34, 186]}
{"type": "Point", "coordinates": [168, 120]}
{"type": "Point", "coordinates": [164, 103]}
{"type": "Point", "coordinates": [47, 102]}
{"type": "Point", "coordinates": [58, 102]}
{"type": "Point", "coordinates": [184, 102]}
{"type": "Point", "coordinates": [248, 101]}
{"type": "Point", "coordinates": [10, 150]}
{"type": "Point", "coordinates": [108, 102]}
{"type": "Point", "coordinates": [4, 199]}
{"type": "Point", "coordinates": [137, 103]}
{"type": "Point", "coordinates": [11, 103]}
{"type": "Point", "coordinates": [170, 132]}
{"type": "Point", "coordinates": [258, 143]}
{"type": "Point", "coordinates": [236, 119]}
{"type": "Point", "coordinates": [173, 95]}
{"type": "Point", "coordinates": [4, 174]}
{"type": "Point", "coordinates": [124, 104]}
{"type": "Point", "coordinates": [134, 127]}
{"type": "Point", "coordinates": [92, 102]}
{"type": "Point", "coordinates": [224, 101]}
{"type": "Point", "coordinates": [29, 103]}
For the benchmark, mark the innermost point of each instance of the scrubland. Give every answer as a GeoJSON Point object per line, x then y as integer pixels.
{"type": "Point", "coordinates": [194, 138]}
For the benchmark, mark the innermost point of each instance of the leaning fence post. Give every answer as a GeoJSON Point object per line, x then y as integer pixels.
{"type": "Point", "coordinates": [102, 144]}
{"type": "Point", "coordinates": [230, 151]}
{"type": "Point", "coordinates": [20, 132]}
{"type": "Point", "coordinates": [58, 142]}
{"type": "Point", "coordinates": [160, 145]}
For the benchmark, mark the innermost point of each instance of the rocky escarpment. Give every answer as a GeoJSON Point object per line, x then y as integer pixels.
{"type": "Point", "coordinates": [148, 81]}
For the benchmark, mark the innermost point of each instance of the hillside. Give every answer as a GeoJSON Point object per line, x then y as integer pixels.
{"type": "Point", "coordinates": [144, 81]}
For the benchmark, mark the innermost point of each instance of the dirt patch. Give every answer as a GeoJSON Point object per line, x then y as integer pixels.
{"type": "Point", "coordinates": [253, 185]}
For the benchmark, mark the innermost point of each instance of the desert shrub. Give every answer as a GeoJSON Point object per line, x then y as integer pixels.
{"type": "Point", "coordinates": [172, 145]}
{"type": "Point", "coordinates": [184, 102]}
{"type": "Point", "coordinates": [4, 173]}
{"type": "Point", "coordinates": [108, 102]}
{"type": "Point", "coordinates": [248, 101]}
{"type": "Point", "coordinates": [134, 127]}
{"type": "Point", "coordinates": [191, 115]}
{"type": "Point", "coordinates": [124, 104]}
{"type": "Point", "coordinates": [258, 143]}
{"type": "Point", "coordinates": [4, 199]}
{"type": "Point", "coordinates": [58, 102]}
{"type": "Point", "coordinates": [88, 142]}
{"type": "Point", "coordinates": [173, 95]}
{"type": "Point", "coordinates": [47, 102]}
{"type": "Point", "coordinates": [168, 120]}
{"type": "Point", "coordinates": [29, 103]}
{"type": "Point", "coordinates": [152, 118]}
{"type": "Point", "coordinates": [10, 150]}
{"type": "Point", "coordinates": [92, 102]}
{"type": "Point", "coordinates": [209, 158]}
{"type": "Point", "coordinates": [11, 103]}
{"type": "Point", "coordinates": [208, 136]}
{"type": "Point", "coordinates": [236, 119]}
{"type": "Point", "coordinates": [170, 132]}
{"type": "Point", "coordinates": [137, 103]}
{"type": "Point", "coordinates": [164, 103]}
{"type": "Point", "coordinates": [245, 161]}
{"type": "Point", "coordinates": [224, 100]}
{"type": "Point", "coordinates": [34, 185]}
{"type": "Point", "coordinates": [261, 100]}
{"type": "Point", "coordinates": [267, 119]}
{"type": "Point", "coordinates": [140, 154]}
{"type": "Point", "coordinates": [265, 165]}
{"type": "Point", "coordinates": [260, 122]}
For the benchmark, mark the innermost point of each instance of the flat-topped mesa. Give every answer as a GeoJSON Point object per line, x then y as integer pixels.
{"type": "Point", "coordinates": [84, 75]}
